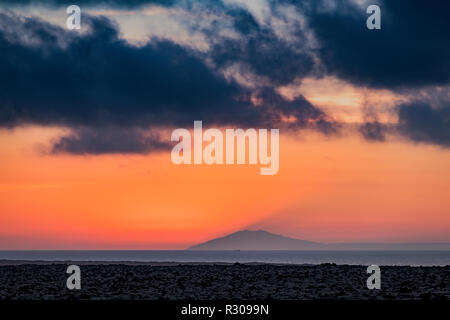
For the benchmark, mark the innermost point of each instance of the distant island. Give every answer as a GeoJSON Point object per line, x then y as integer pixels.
{"type": "Point", "coordinates": [264, 240]}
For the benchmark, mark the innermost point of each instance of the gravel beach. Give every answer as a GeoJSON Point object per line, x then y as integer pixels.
{"type": "Point", "coordinates": [124, 281]}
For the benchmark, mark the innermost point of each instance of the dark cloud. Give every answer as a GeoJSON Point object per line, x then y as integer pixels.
{"type": "Point", "coordinates": [423, 123]}
{"type": "Point", "coordinates": [373, 131]}
{"type": "Point", "coordinates": [262, 51]}
{"type": "Point", "coordinates": [296, 113]}
{"type": "Point", "coordinates": [109, 140]}
{"type": "Point", "coordinates": [51, 76]}
{"type": "Point", "coordinates": [411, 49]}
{"type": "Point", "coordinates": [97, 80]}
{"type": "Point", "coordinates": [89, 3]}
{"type": "Point", "coordinates": [258, 48]}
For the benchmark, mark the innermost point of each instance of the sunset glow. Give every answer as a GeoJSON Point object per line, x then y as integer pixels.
{"type": "Point", "coordinates": [86, 117]}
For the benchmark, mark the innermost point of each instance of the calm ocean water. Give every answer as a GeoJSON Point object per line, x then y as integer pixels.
{"type": "Point", "coordinates": [413, 258]}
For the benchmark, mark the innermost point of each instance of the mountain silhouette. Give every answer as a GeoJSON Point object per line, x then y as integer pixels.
{"type": "Point", "coordinates": [256, 240]}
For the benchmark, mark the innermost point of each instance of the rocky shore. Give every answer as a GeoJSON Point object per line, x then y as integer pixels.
{"type": "Point", "coordinates": [220, 281]}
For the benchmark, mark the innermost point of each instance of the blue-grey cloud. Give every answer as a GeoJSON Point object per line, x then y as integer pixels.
{"type": "Point", "coordinates": [373, 131]}
{"type": "Point", "coordinates": [96, 80]}
{"type": "Point", "coordinates": [89, 3]}
{"type": "Point", "coordinates": [262, 51]}
{"type": "Point", "coordinates": [411, 49]}
{"type": "Point", "coordinates": [422, 123]}
{"type": "Point", "coordinates": [52, 76]}
{"type": "Point", "coordinates": [109, 140]}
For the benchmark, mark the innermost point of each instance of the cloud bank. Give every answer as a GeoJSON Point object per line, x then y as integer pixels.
{"type": "Point", "coordinates": [111, 93]}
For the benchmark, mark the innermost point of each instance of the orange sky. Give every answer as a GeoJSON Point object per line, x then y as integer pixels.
{"type": "Point", "coordinates": [328, 189]}
{"type": "Point", "coordinates": [331, 189]}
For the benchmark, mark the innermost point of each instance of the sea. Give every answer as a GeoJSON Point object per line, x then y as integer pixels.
{"type": "Point", "coordinates": [392, 258]}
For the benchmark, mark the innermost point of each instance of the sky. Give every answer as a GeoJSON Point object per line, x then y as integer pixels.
{"type": "Point", "coordinates": [86, 117]}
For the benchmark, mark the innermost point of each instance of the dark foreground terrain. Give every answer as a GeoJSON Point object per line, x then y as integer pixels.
{"type": "Point", "coordinates": [220, 281]}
